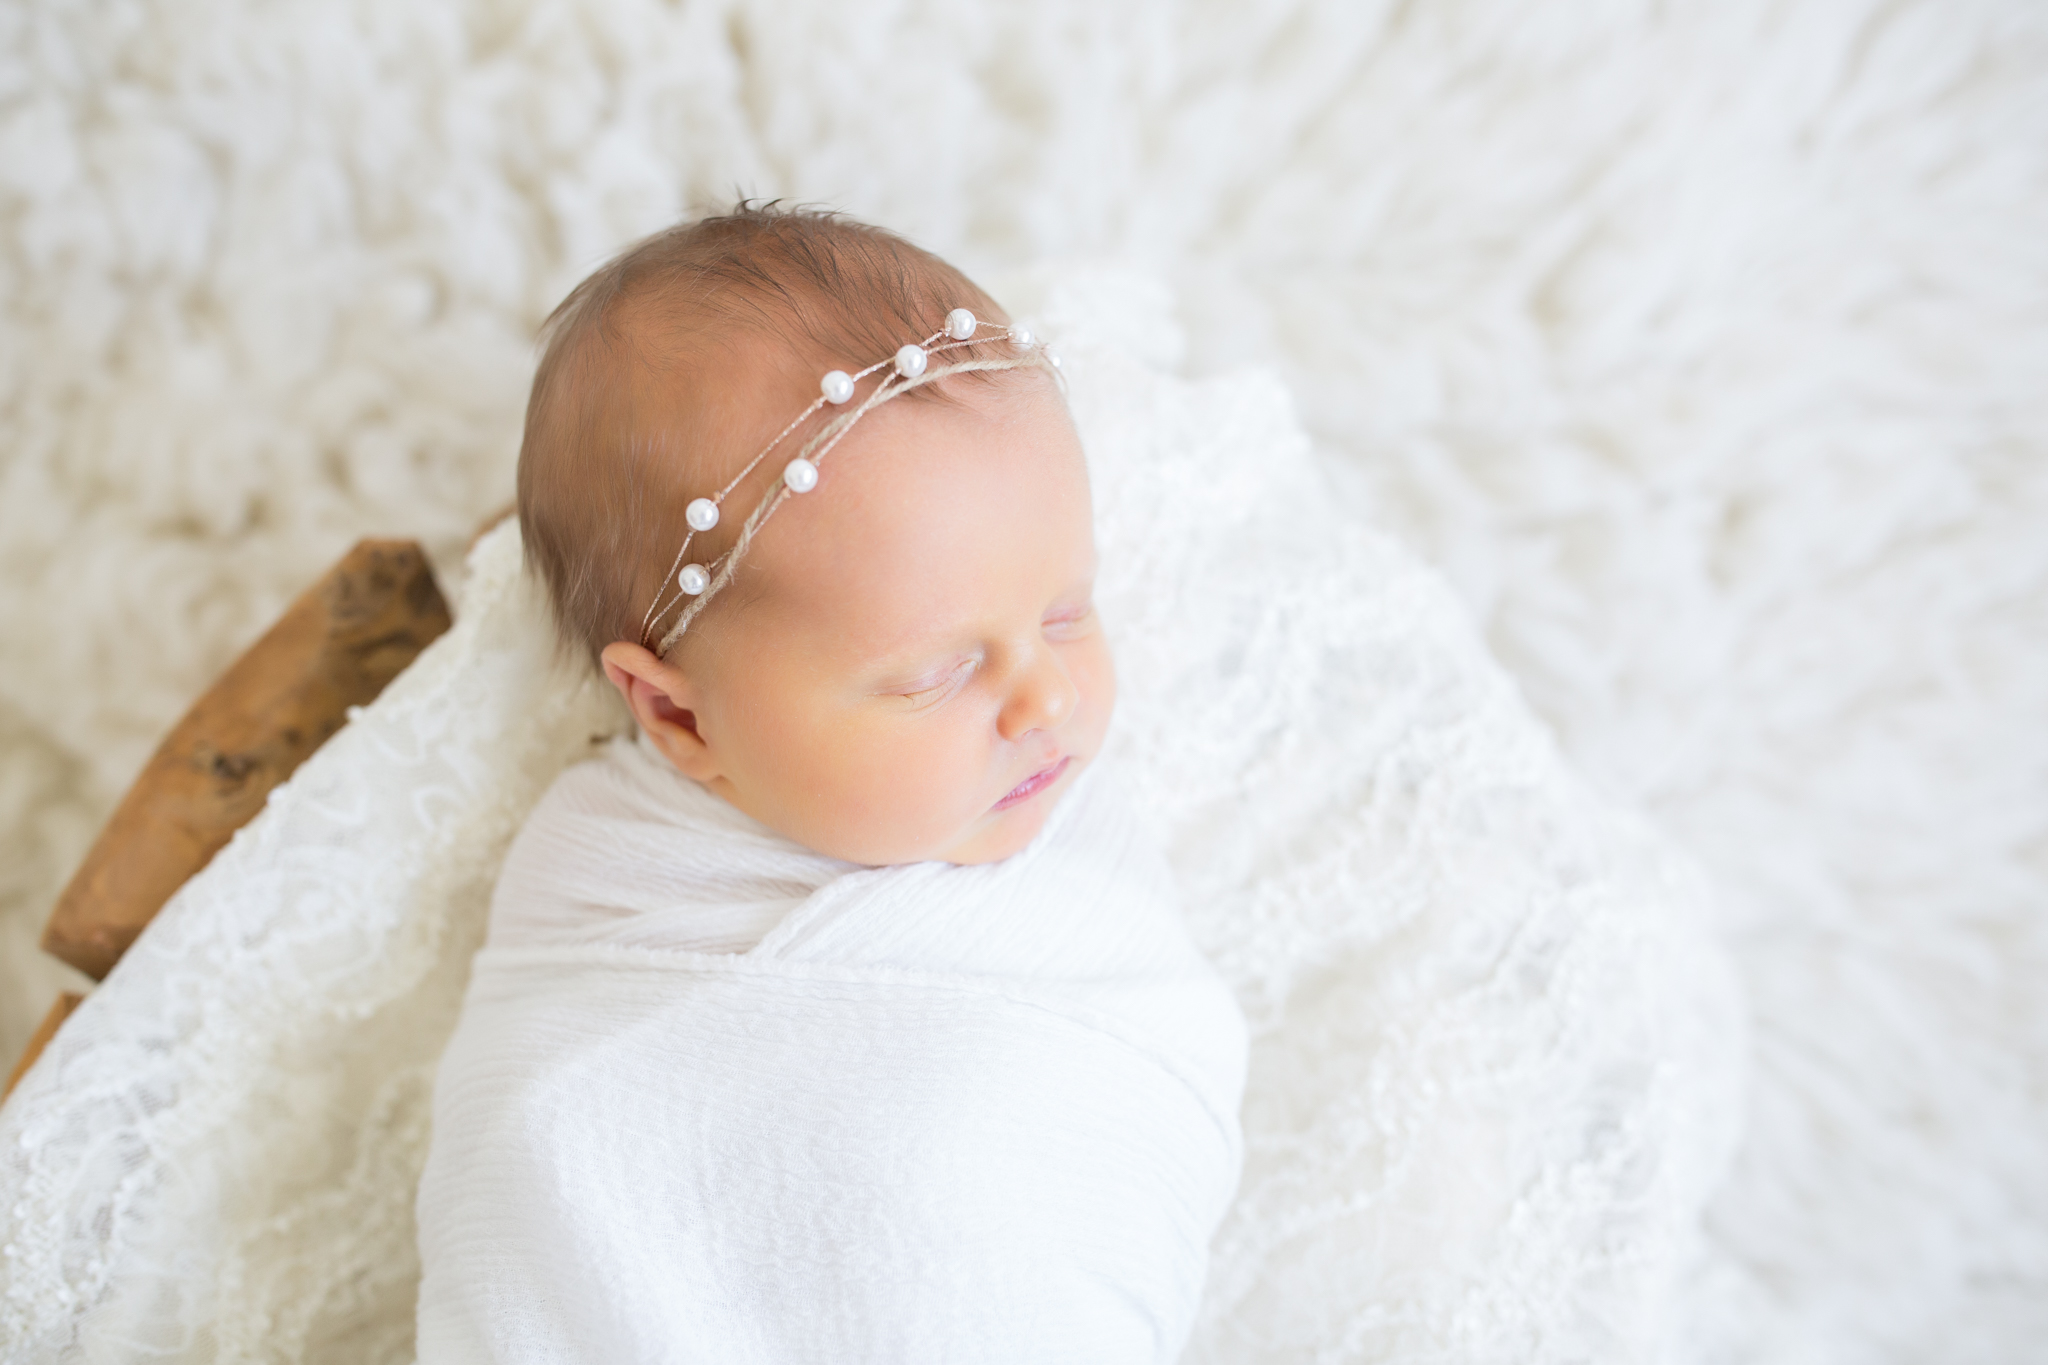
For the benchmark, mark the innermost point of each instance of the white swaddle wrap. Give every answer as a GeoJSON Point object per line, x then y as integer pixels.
{"type": "Point", "coordinates": [714, 1097]}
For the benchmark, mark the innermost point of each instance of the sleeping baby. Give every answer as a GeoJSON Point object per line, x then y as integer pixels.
{"type": "Point", "coordinates": [844, 1013]}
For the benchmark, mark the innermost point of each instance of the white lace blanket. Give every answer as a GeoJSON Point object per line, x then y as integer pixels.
{"type": "Point", "coordinates": [936, 1114]}
{"type": "Point", "coordinates": [1494, 1069]}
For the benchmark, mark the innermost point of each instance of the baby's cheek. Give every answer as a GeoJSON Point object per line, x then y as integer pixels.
{"type": "Point", "coordinates": [904, 794]}
{"type": "Point", "coordinates": [1094, 674]}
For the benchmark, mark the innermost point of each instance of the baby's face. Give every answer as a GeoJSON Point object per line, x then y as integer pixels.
{"type": "Point", "coordinates": [911, 667]}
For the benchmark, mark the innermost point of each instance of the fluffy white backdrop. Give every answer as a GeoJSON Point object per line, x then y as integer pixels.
{"type": "Point", "coordinates": [1705, 346]}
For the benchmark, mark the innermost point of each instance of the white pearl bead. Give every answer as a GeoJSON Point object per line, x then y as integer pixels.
{"type": "Point", "coordinates": [910, 361]}
{"type": "Point", "coordinates": [1021, 336]}
{"type": "Point", "coordinates": [1053, 356]}
{"type": "Point", "coordinates": [701, 514]}
{"type": "Point", "coordinates": [960, 324]}
{"type": "Point", "coordinates": [837, 386]}
{"type": "Point", "coordinates": [693, 579]}
{"type": "Point", "coordinates": [800, 475]}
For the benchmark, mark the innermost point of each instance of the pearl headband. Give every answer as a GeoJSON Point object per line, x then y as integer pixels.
{"type": "Point", "coordinates": [692, 585]}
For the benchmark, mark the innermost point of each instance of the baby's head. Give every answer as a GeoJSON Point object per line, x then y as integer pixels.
{"type": "Point", "coordinates": [906, 663]}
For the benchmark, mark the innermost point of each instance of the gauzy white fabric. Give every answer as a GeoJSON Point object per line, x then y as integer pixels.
{"type": "Point", "coordinates": [716, 1098]}
{"type": "Point", "coordinates": [1495, 1070]}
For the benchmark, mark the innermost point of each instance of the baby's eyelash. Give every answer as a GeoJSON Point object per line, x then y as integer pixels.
{"type": "Point", "coordinates": [933, 688]}
{"type": "Point", "coordinates": [924, 693]}
{"type": "Point", "coordinates": [1071, 618]}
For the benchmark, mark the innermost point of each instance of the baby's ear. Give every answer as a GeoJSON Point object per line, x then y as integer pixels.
{"type": "Point", "coordinates": [658, 694]}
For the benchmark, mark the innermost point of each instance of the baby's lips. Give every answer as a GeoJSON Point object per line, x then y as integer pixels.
{"type": "Point", "coordinates": [1036, 783]}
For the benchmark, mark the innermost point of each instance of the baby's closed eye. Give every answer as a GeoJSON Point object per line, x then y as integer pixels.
{"type": "Point", "coordinates": [931, 686]}
{"type": "Point", "coordinates": [1068, 623]}
{"type": "Point", "coordinates": [935, 685]}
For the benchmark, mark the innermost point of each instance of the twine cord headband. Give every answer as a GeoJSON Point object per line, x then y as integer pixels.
{"type": "Point", "coordinates": [692, 586]}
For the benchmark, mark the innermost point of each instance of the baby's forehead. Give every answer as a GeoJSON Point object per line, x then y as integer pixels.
{"type": "Point", "coordinates": [934, 510]}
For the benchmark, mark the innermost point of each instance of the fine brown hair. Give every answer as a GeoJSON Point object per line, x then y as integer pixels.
{"type": "Point", "coordinates": [601, 496]}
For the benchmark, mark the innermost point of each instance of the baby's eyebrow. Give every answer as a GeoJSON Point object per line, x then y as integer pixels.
{"type": "Point", "coordinates": [904, 661]}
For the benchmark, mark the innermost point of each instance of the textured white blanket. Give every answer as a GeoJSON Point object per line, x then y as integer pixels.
{"type": "Point", "coordinates": [1495, 1069]}
{"type": "Point", "coordinates": [1700, 344]}
{"type": "Point", "coordinates": [716, 1098]}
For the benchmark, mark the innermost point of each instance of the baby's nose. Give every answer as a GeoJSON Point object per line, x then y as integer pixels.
{"type": "Point", "coordinates": [1042, 698]}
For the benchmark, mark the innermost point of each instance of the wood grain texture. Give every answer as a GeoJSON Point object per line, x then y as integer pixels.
{"type": "Point", "coordinates": [335, 647]}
